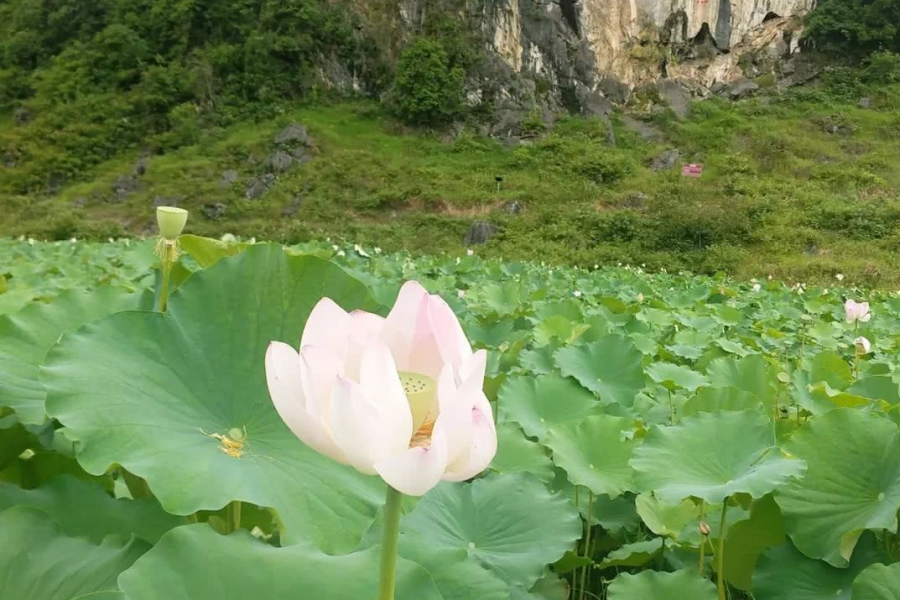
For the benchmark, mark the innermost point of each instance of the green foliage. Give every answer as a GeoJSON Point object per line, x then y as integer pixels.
{"type": "Point", "coordinates": [679, 387]}
{"type": "Point", "coordinates": [856, 27]}
{"type": "Point", "coordinates": [99, 79]}
{"type": "Point", "coordinates": [428, 86]}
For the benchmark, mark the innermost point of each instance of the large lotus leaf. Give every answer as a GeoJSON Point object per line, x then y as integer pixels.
{"type": "Point", "coordinates": [29, 334]}
{"type": "Point", "coordinates": [610, 367]}
{"type": "Point", "coordinates": [538, 403]}
{"type": "Point", "coordinates": [668, 520]}
{"type": "Point", "coordinates": [878, 582]}
{"type": "Point", "coordinates": [549, 587]}
{"type": "Point", "coordinates": [654, 585]}
{"type": "Point", "coordinates": [852, 483]}
{"type": "Point", "coordinates": [637, 554]}
{"type": "Point", "coordinates": [721, 399]}
{"type": "Point", "coordinates": [712, 456]}
{"type": "Point", "coordinates": [207, 251]}
{"type": "Point", "coordinates": [148, 391]}
{"type": "Point", "coordinates": [39, 562]}
{"type": "Point", "coordinates": [455, 574]}
{"type": "Point", "coordinates": [84, 509]}
{"type": "Point", "coordinates": [518, 454]}
{"type": "Point", "coordinates": [750, 373]}
{"type": "Point", "coordinates": [747, 540]}
{"type": "Point", "coordinates": [785, 573]}
{"type": "Point", "coordinates": [676, 376]}
{"type": "Point", "coordinates": [595, 453]}
{"type": "Point", "coordinates": [877, 387]}
{"type": "Point", "coordinates": [196, 563]}
{"type": "Point", "coordinates": [831, 368]}
{"type": "Point", "coordinates": [509, 524]}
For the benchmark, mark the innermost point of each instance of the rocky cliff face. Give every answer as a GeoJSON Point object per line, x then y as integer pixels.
{"type": "Point", "coordinates": [582, 54]}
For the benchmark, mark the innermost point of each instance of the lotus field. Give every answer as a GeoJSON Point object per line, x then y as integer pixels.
{"type": "Point", "coordinates": [196, 419]}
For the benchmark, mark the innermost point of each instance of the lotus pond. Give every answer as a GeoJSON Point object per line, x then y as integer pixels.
{"type": "Point", "coordinates": [660, 436]}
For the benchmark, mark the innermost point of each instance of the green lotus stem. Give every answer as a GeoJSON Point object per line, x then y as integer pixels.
{"type": "Point", "coordinates": [587, 542]}
{"type": "Point", "coordinates": [702, 538]}
{"type": "Point", "coordinates": [672, 407]}
{"type": "Point", "coordinates": [389, 543]}
{"type": "Point", "coordinates": [137, 487]}
{"type": "Point", "coordinates": [234, 515]}
{"type": "Point", "coordinates": [164, 288]}
{"type": "Point", "coordinates": [720, 571]}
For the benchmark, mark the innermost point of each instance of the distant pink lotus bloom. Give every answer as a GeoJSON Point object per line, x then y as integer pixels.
{"type": "Point", "coordinates": [857, 311]}
{"type": "Point", "coordinates": [400, 397]}
{"type": "Point", "coordinates": [863, 346]}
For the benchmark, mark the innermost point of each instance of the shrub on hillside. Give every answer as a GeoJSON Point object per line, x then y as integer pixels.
{"type": "Point", "coordinates": [428, 88]}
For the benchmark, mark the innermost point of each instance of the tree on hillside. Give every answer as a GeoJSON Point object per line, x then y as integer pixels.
{"type": "Point", "coordinates": [855, 27]}
{"type": "Point", "coordinates": [428, 88]}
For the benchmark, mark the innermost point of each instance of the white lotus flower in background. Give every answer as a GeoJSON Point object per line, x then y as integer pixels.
{"type": "Point", "coordinates": [857, 312]}
{"type": "Point", "coordinates": [577, 294]}
{"type": "Point", "coordinates": [756, 287]}
{"type": "Point", "coordinates": [640, 297]}
{"type": "Point", "coordinates": [470, 252]}
{"type": "Point", "coordinates": [461, 293]}
{"type": "Point", "coordinates": [863, 346]}
{"type": "Point", "coordinates": [400, 396]}
{"type": "Point", "coordinates": [839, 277]}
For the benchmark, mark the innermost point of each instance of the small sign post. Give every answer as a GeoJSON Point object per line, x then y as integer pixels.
{"type": "Point", "coordinates": [692, 170]}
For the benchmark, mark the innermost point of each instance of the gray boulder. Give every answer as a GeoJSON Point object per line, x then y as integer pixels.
{"type": "Point", "coordinates": [228, 178]}
{"type": "Point", "coordinates": [291, 208]}
{"type": "Point", "coordinates": [742, 88]}
{"type": "Point", "coordinates": [124, 186]}
{"type": "Point", "coordinates": [292, 135]}
{"type": "Point", "coordinates": [279, 162]}
{"type": "Point", "coordinates": [140, 167]}
{"type": "Point", "coordinates": [480, 232]}
{"type": "Point", "coordinates": [214, 212]}
{"type": "Point", "coordinates": [259, 186]}
{"type": "Point", "coordinates": [676, 96]}
{"type": "Point", "coordinates": [513, 207]}
{"type": "Point", "coordinates": [666, 160]}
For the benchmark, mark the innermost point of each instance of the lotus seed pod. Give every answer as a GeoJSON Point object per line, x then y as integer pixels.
{"type": "Point", "coordinates": [704, 529]}
{"type": "Point", "coordinates": [171, 221]}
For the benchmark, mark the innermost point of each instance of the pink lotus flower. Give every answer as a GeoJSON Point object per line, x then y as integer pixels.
{"type": "Point", "coordinates": [857, 311]}
{"type": "Point", "coordinates": [400, 396]}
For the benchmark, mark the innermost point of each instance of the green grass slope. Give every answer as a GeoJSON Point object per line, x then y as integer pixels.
{"type": "Point", "coordinates": [801, 185]}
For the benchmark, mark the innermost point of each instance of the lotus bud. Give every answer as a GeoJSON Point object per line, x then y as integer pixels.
{"type": "Point", "coordinates": [171, 221]}
{"type": "Point", "coordinates": [863, 346]}
{"type": "Point", "coordinates": [704, 529]}
{"type": "Point", "coordinates": [640, 297]}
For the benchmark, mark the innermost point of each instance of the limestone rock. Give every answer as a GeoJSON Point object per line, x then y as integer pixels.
{"type": "Point", "coordinates": [666, 160]}
{"type": "Point", "coordinates": [294, 134]}
{"type": "Point", "coordinates": [124, 186]}
{"type": "Point", "coordinates": [742, 89]}
{"type": "Point", "coordinates": [229, 177]}
{"type": "Point", "coordinates": [480, 232]}
{"type": "Point", "coordinates": [215, 211]}
{"type": "Point", "coordinates": [279, 162]}
{"type": "Point", "coordinates": [259, 186]}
